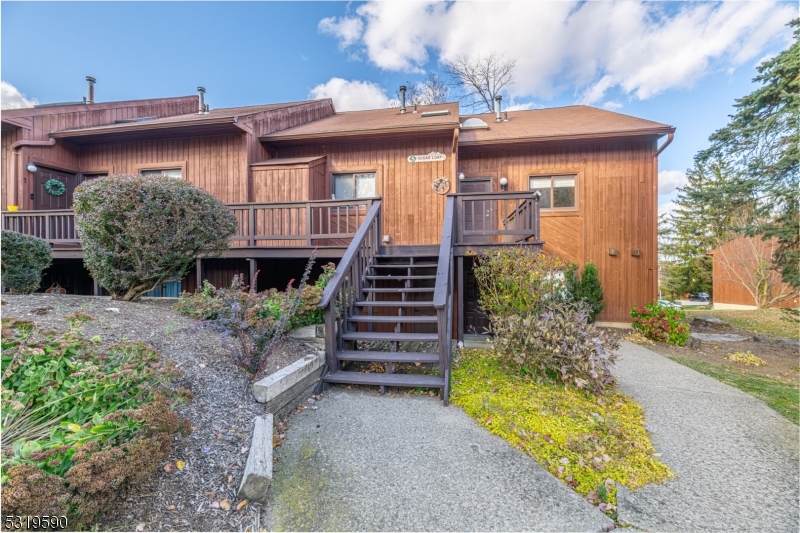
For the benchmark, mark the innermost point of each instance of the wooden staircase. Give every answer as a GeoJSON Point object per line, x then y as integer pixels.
{"type": "Point", "coordinates": [397, 307]}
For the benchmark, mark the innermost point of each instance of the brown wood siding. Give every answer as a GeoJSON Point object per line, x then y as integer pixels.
{"type": "Point", "coordinates": [727, 291]}
{"type": "Point", "coordinates": [280, 120]}
{"type": "Point", "coordinates": [9, 137]}
{"type": "Point", "coordinates": [66, 156]}
{"type": "Point", "coordinates": [412, 211]}
{"type": "Point", "coordinates": [617, 208]}
{"type": "Point", "coordinates": [217, 164]}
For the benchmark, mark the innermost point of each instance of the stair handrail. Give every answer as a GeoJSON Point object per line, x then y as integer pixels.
{"type": "Point", "coordinates": [445, 250]}
{"type": "Point", "coordinates": [443, 295]}
{"type": "Point", "coordinates": [349, 255]}
{"type": "Point", "coordinates": [345, 287]}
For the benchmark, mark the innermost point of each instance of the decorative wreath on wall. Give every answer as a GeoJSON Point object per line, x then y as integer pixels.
{"type": "Point", "coordinates": [55, 187]}
{"type": "Point", "coordinates": [441, 186]}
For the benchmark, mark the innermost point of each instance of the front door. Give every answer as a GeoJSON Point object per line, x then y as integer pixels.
{"type": "Point", "coordinates": [478, 215]}
{"type": "Point", "coordinates": [45, 201]}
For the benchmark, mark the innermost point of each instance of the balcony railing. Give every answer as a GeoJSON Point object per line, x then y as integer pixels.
{"type": "Point", "coordinates": [496, 218]}
{"type": "Point", "coordinates": [282, 224]}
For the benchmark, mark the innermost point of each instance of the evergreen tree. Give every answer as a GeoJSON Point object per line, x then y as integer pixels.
{"type": "Point", "coordinates": [585, 287]}
{"type": "Point", "coordinates": [762, 143]}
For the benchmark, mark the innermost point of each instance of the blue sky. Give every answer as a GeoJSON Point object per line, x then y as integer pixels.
{"type": "Point", "coordinates": [676, 62]}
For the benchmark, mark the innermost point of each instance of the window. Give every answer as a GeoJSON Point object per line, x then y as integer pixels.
{"type": "Point", "coordinates": [169, 172]}
{"type": "Point", "coordinates": [353, 185]}
{"type": "Point", "coordinates": [558, 192]}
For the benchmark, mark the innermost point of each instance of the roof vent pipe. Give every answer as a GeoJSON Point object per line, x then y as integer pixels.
{"type": "Point", "coordinates": [497, 100]}
{"type": "Point", "coordinates": [92, 81]}
{"type": "Point", "coordinates": [201, 108]}
{"type": "Point", "coordinates": [505, 116]}
{"type": "Point", "coordinates": [402, 99]}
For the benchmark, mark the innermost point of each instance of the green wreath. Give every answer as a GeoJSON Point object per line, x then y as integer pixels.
{"type": "Point", "coordinates": [55, 187]}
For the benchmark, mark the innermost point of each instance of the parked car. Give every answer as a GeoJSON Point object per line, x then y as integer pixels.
{"type": "Point", "coordinates": [667, 303]}
{"type": "Point", "coordinates": [700, 297]}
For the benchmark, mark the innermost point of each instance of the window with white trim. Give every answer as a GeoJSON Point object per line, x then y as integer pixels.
{"type": "Point", "coordinates": [168, 172]}
{"type": "Point", "coordinates": [558, 192]}
{"type": "Point", "coordinates": [355, 185]}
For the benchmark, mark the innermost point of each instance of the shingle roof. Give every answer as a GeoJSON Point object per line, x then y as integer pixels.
{"type": "Point", "coordinates": [214, 116]}
{"type": "Point", "coordinates": [286, 161]}
{"type": "Point", "coordinates": [558, 123]}
{"type": "Point", "coordinates": [371, 122]}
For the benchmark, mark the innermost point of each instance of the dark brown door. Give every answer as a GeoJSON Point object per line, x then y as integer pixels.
{"type": "Point", "coordinates": [478, 215]}
{"type": "Point", "coordinates": [44, 201]}
{"type": "Point", "coordinates": [474, 320]}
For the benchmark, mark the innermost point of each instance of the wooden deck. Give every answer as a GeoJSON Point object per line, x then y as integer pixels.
{"type": "Point", "coordinates": [282, 229]}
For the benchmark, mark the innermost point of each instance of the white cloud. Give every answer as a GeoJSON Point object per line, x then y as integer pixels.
{"type": "Point", "coordinates": [638, 48]}
{"type": "Point", "coordinates": [351, 95]}
{"type": "Point", "coordinates": [667, 208]}
{"type": "Point", "coordinates": [521, 106]}
{"type": "Point", "coordinates": [612, 105]}
{"type": "Point", "coordinates": [670, 180]}
{"type": "Point", "coordinates": [11, 98]}
{"type": "Point", "coordinates": [347, 29]}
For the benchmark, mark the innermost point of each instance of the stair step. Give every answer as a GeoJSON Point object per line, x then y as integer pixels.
{"type": "Point", "coordinates": [400, 337]}
{"type": "Point", "coordinates": [390, 380]}
{"type": "Point", "coordinates": [399, 290]}
{"type": "Point", "coordinates": [397, 303]}
{"type": "Point", "coordinates": [393, 319]}
{"type": "Point", "coordinates": [399, 278]}
{"type": "Point", "coordinates": [388, 357]}
{"type": "Point", "coordinates": [406, 265]}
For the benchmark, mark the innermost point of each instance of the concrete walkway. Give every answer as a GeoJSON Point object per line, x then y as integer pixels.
{"type": "Point", "coordinates": [364, 462]}
{"type": "Point", "coordinates": [736, 459]}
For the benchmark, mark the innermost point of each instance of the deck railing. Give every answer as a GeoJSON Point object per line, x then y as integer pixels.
{"type": "Point", "coordinates": [286, 224]}
{"type": "Point", "coordinates": [346, 286]}
{"type": "Point", "coordinates": [497, 218]}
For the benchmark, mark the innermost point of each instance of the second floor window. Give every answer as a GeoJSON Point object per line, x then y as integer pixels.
{"type": "Point", "coordinates": [557, 191]}
{"type": "Point", "coordinates": [169, 172]}
{"type": "Point", "coordinates": [354, 185]}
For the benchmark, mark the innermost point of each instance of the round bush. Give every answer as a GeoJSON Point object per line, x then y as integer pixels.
{"type": "Point", "coordinates": [141, 231]}
{"type": "Point", "coordinates": [23, 261]}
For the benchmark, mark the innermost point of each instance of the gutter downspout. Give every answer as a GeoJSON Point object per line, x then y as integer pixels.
{"type": "Point", "coordinates": [13, 190]}
{"type": "Point", "coordinates": [666, 143]}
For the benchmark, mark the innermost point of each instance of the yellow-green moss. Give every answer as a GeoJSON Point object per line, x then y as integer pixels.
{"type": "Point", "coordinates": [558, 426]}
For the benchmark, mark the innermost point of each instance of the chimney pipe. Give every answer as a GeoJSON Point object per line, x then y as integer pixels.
{"type": "Point", "coordinates": [91, 80]}
{"type": "Point", "coordinates": [497, 100]}
{"type": "Point", "coordinates": [201, 107]}
{"type": "Point", "coordinates": [402, 99]}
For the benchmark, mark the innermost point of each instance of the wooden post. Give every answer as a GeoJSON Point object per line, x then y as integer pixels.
{"type": "Point", "coordinates": [96, 287]}
{"type": "Point", "coordinates": [460, 309]}
{"type": "Point", "coordinates": [198, 268]}
{"type": "Point", "coordinates": [253, 264]}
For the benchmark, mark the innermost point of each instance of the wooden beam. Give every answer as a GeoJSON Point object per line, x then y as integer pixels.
{"type": "Point", "coordinates": [460, 310]}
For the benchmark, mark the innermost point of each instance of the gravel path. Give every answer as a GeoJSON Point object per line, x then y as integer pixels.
{"type": "Point", "coordinates": [366, 462]}
{"type": "Point", "coordinates": [736, 459]}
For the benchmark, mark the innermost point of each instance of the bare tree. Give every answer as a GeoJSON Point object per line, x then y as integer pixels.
{"type": "Point", "coordinates": [746, 261]}
{"type": "Point", "coordinates": [431, 90]}
{"type": "Point", "coordinates": [480, 78]}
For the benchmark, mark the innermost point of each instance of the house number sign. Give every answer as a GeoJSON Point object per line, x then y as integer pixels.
{"type": "Point", "coordinates": [427, 158]}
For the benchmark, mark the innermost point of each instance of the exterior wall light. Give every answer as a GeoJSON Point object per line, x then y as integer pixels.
{"type": "Point", "coordinates": [387, 239]}
{"type": "Point", "coordinates": [503, 184]}
{"type": "Point", "coordinates": [32, 168]}
{"type": "Point", "coordinates": [461, 175]}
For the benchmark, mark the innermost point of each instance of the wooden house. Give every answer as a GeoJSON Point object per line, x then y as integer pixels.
{"type": "Point", "coordinates": [402, 196]}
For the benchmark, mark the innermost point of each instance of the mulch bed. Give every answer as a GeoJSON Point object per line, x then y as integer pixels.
{"type": "Point", "coordinates": [781, 358]}
{"type": "Point", "coordinates": [221, 413]}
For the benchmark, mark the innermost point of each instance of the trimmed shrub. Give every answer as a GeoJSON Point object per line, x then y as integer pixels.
{"type": "Point", "coordinates": [558, 342]}
{"type": "Point", "coordinates": [141, 231]}
{"type": "Point", "coordinates": [585, 288]}
{"type": "Point", "coordinates": [663, 324]}
{"type": "Point", "coordinates": [24, 259]}
{"type": "Point", "coordinates": [518, 281]}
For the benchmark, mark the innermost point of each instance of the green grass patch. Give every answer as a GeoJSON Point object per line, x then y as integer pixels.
{"type": "Point", "coordinates": [580, 438]}
{"type": "Point", "coordinates": [782, 396]}
{"type": "Point", "coordinates": [781, 323]}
